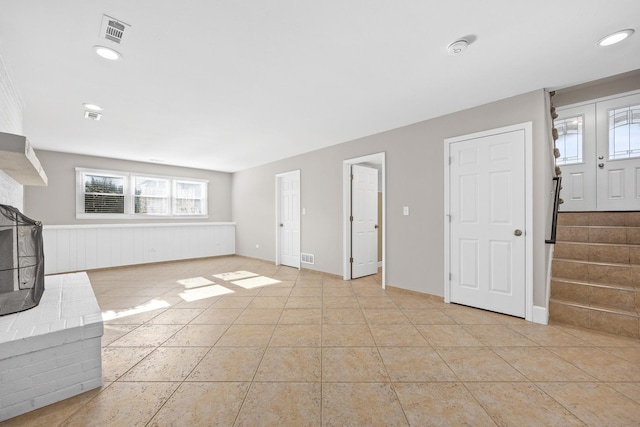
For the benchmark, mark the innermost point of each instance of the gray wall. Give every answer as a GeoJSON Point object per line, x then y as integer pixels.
{"type": "Point", "coordinates": [414, 178]}
{"type": "Point", "coordinates": [55, 204]}
{"type": "Point", "coordinates": [614, 85]}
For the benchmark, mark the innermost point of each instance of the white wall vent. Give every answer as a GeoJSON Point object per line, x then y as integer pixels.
{"type": "Point", "coordinates": [93, 115]}
{"type": "Point", "coordinates": [307, 258]}
{"type": "Point", "coordinates": [113, 29]}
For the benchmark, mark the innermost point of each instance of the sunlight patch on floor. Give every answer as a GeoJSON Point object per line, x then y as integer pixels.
{"type": "Point", "coordinates": [204, 292]}
{"type": "Point", "coordinates": [154, 304]}
{"type": "Point", "coordinates": [195, 282]}
{"type": "Point", "coordinates": [255, 282]}
{"type": "Point", "coordinates": [235, 275]}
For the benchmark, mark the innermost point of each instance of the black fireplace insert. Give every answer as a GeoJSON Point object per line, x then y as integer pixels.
{"type": "Point", "coordinates": [21, 261]}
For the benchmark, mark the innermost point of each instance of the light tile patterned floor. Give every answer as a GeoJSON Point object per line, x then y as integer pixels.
{"type": "Point", "coordinates": [314, 350]}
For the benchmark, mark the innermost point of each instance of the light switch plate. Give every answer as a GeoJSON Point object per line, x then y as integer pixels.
{"type": "Point", "coordinates": [405, 210]}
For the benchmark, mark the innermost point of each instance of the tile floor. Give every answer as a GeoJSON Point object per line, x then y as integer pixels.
{"type": "Point", "coordinates": [185, 348]}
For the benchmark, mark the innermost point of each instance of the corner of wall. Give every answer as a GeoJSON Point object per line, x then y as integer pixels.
{"type": "Point", "coordinates": [11, 192]}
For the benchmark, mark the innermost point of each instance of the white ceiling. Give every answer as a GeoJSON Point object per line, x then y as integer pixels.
{"type": "Point", "coordinates": [227, 85]}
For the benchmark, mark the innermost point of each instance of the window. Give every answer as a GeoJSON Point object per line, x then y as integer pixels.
{"type": "Point", "coordinates": [189, 198]}
{"type": "Point", "coordinates": [107, 194]}
{"type": "Point", "coordinates": [104, 193]}
{"type": "Point", "coordinates": [570, 133]}
{"type": "Point", "coordinates": [152, 195]}
{"type": "Point", "coordinates": [624, 132]}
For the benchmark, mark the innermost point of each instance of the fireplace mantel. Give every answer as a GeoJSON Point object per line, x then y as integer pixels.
{"type": "Point", "coordinates": [19, 161]}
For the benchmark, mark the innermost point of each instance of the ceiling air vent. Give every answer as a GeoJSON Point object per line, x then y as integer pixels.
{"type": "Point", "coordinates": [113, 29]}
{"type": "Point", "coordinates": [93, 115]}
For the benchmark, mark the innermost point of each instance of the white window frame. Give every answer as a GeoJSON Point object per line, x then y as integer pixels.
{"type": "Point", "coordinates": [129, 195]}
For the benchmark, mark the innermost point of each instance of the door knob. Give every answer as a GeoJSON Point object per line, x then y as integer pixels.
{"type": "Point", "coordinates": [375, 226]}
{"type": "Point", "coordinates": [601, 165]}
{"type": "Point", "coordinates": [517, 232]}
{"type": "Point", "coordinates": [281, 225]}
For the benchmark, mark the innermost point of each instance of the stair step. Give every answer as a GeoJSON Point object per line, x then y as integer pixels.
{"type": "Point", "coordinates": [604, 309]}
{"type": "Point", "coordinates": [599, 234]}
{"type": "Point", "coordinates": [598, 252]}
{"type": "Point", "coordinates": [596, 273]}
{"type": "Point", "coordinates": [628, 219]}
{"type": "Point", "coordinates": [619, 298]}
{"type": "Point", "coordinates": [620, 322]}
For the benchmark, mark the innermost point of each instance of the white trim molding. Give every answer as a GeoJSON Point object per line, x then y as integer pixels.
{"type": "Point", "coordinates": [540, 315]}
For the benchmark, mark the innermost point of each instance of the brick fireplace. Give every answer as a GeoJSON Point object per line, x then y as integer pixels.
{"type": "Point", "coordinates": [53, 351]}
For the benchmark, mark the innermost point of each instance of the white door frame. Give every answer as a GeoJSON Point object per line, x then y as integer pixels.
{"type": "Point", "coordinates": [295, 173]}
{"type": "Point", "coordinates": [377, 158]}
{"type": "Point", "coordinates": [528, 153]}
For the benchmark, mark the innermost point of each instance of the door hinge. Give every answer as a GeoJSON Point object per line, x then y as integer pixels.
{"type": "Point", "coordinates": [351, 177]}
{"type": "Point", "coordinates": [351, 260]}
{"type": "Point", "coordinates": [351, 218]}
{"type": "Point", "coordinates": [449, 276]}
{"type": "Point", "coordinates": [450, 160]}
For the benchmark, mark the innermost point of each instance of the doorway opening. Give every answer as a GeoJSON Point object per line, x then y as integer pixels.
{"type": "Point", "coordinates": [372, 161]}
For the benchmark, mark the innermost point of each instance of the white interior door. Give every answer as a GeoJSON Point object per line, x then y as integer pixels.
{"type": "Point", "coordinates": [487, 222]}
{"type": "Point", "coordinates": [618, 147]}
{"type": "Point", "coordinates": [289, 218]}
{"type": "Point", "coordinates": [364, 224]}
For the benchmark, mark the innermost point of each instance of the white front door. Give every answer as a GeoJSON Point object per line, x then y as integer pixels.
{"type": "Point", "coordinates": [599, 145]}
{"type": "Point", "coordinates": [364, 225]}
{"type": "Point", "coordinates": [289, 218]}
{"type": "Point", "coordinates": [487, 222]}
{"type": "Point", "coordinates": [576, 142]}
{"type": "Point", "coordinates": [618, 150]}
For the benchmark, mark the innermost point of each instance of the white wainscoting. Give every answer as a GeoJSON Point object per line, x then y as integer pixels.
{"type": "Point", "coordinates": [85, 247]}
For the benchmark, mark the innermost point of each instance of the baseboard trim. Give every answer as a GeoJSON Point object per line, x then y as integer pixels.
{"type": "Point", "coordinates": [540, 315]}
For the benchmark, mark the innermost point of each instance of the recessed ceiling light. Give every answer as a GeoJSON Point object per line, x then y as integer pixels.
{"type": "Point", "coordinates": [93, 107]}
{"type": "Point", "coordinates": [107, 53]}
{"type": "Point", "coordinates": [614, 38]}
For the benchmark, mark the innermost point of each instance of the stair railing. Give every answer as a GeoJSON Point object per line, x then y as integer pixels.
{"type": "Point", "coordinates": [556, 206]}
{"type": "Point", "coordinates": [557, 179]}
